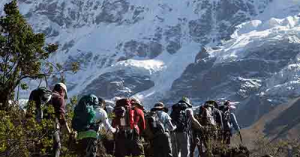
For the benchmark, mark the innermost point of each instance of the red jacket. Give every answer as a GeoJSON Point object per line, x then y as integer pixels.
{"type": "Point", "coordinates": [139, 120]}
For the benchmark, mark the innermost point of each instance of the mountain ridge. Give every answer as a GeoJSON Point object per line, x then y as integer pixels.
{"type": "Point", "coordinates": [245, 51]}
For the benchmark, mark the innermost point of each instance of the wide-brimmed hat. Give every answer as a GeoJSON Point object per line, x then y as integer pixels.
{"type": "Point", "coordinates": [135, 101]}
{"type": "Point", "coordinates": [212, 103]}
{"type": "Point", "coordinates": [186, 101]}
{"type": "Point", "coordinates": [228, 105]}
{"type": "Point", "coordinates": [160, 106]}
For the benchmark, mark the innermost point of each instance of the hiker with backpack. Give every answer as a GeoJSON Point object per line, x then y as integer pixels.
{"type": "Point", "coordinates": [211, 118]}
{"type": "Point", "coordinates": [139, 115]}
{"type": "Point", "coordinates": [183, 117]}
{"type": "Point", "coordinates": [59, 94]}
{"type": "Point", "coordinates": [38, 98]}
{"type": "Point", "coordinates": [127, 139]}
{"type": "Point", "coordinates": [88, 116]}
{"type": "Point", "coordinates": [229, 122]}
{"type": "Point", "coordinates": [160, 125]}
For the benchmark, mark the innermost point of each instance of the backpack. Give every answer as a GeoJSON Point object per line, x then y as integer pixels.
{"type": "Point", "coordinates": [153, 125]}
{"type": "Point", "coordinates": [124, 113]}
{"type": "Point", "coordinates": [84, 113]}
{"type": "Point", "coordinates": [207, 115]}
{"type": "Point", "coordinates": [179, 117]}
{"type": "Point", "coordinates": [37, 99]}
{"type": "Point", "coordinates": [226, 120]}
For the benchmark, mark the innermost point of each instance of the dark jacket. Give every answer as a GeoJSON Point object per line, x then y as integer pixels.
{"type": "Point", "coordinates": [59, 105]}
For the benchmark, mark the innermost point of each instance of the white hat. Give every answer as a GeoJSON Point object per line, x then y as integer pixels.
{"type": "Point", "coordinates": [62, 85]}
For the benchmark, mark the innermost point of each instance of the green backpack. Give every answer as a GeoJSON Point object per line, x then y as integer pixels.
{"type": "Point", "coordinates": [84, 113]}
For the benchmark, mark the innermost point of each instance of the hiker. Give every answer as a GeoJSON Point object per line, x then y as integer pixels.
{"type": "Point", "coordinates": [127, 139]}
{"type": "Point", "coordinates": [229, 122]}
{"type": "Point", "coordinates": [211, 118]}
{"type": "Point", "coordinates": [183, 117]}
{"type": "Point", "coordinates": [59, 94]}
{"type": "Point", "coordinates": [37, 99]}
{"type": "Point", "coordinates": [88, 116]}
{"type": "Point", "coordinates": [101, 116]}
{"type": "Point", "coordinates": [160, 125]}
{"type": "Point", "coordinates": [139, 115]}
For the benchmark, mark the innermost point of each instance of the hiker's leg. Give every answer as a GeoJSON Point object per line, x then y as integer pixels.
{"type": "Point", "coordinates": [157, 146]}
{"type": "Point", "coordinates": [179, 140]}
{"type": "Point", "coordinates": [174, 144]}
{"type": "Point", "coordinates": [199, 148]}
{"type": "Point", "coordinates": [227, 137]}
{"type": "Point", "coordinates": [120, 146]}
{"type": "Point", "coordinates": [56, 143]}
{"type": "Point", "coordinates": [137, 146]}
{"type": "Point", "coordinates": [91, 147]}
{"type": "Point", "coordinates": [81, 147]}
{"type": "Point", "coordinates": [193, 147]}
{"type": "Point", "coordinates": [168, 145]}
{"type": "Point", "coordinates": [185, 144]}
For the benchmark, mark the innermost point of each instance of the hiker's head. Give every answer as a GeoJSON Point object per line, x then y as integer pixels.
{"type": "Point", "coordinates": [211, 103]}
{"type": "Point", "coordinates": [186, 101]}
{"type": "Point", "coordinates": [93, 99]}
{"type": "Point", "coordinates": [136, 103]}
{"type": "Point", "coordinates": [228, 105]}
{"type": "Point", "coordinates": [61, 88]}
{"type": "Point", "coordinates": [45, 95]}
{"type": "Point", "coordinates": [102, 102]}
{"type": "Point", "coordinates": [160, 107]}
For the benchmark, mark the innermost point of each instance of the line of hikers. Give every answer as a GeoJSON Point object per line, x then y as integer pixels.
{"type": "Point", "coordinates": [132, 126]}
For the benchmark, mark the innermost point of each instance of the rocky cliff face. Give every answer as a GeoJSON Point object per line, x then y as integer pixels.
{"type": "Point", "coordinates": [243, 50]}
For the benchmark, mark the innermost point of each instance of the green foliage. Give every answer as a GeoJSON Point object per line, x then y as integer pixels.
{"type": "Point", "coordinates": [21, 50]}
{"type": "Point", "coordinates": [23, 55]}
{"type": "Point", "coordinates": [21, 135]}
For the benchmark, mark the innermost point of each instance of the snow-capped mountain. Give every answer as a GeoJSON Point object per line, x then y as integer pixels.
{"type": "Point", "coordinates": [247, 51]}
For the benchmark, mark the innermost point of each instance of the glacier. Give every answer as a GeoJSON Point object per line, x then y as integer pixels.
{"type": "Point", "coordinates": [243, 50]}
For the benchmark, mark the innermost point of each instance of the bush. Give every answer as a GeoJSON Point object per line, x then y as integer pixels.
{"type": "Point", "coordinates": [21, 135]}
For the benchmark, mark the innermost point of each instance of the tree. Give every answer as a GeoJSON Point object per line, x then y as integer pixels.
{"type": "Point", "coordinates": [22, 52]}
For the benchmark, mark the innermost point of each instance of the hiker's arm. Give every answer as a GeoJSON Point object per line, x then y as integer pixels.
{"type": "Point", "coordinates": [221, 119]}
{"type": "Point", "coordinates": [234, 122]}
{"type": "Point", "coordinates": [63, 122]}
{"type": "Point", "coordinates": [193, 119]}
{"type": "Point", "coordinates": [68, 128]}
{"type": "Point", "coordinates": [106, 123]}
{"type": "Point", "coordinates": [170, 125]}
{"type": "Point", "coordinates": [61, 113]}
{"type": "Point", "coordinates": [108, 126]}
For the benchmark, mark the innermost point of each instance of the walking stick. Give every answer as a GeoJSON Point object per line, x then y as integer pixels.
{"type": "Point", "coordinates": [241, 137]}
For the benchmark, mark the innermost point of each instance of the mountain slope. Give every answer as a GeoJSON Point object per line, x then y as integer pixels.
{"type": "Point", "coordinates": [243, 50]}
{"type": "Point", "coordinates": [283, 122]}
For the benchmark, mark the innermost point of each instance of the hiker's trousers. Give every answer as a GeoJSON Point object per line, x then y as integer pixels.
{"type": "Point", "coordinates": [162, 146]}
{"type": "Point", "coordinates": [88, 147]}
{"type": "Point", "coordinates": [127, 144]}
{"type": "Point", "coordinates": [56, 143]}
{"type": "Point", "coordinates": [181, 144]}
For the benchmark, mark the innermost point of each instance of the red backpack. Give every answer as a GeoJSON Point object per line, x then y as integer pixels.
{"type": "Point", "coordinates": [124, 113]}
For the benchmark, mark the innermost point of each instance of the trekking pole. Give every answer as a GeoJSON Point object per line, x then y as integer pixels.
{"type": "Point", "coordinates": [241, 137]}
